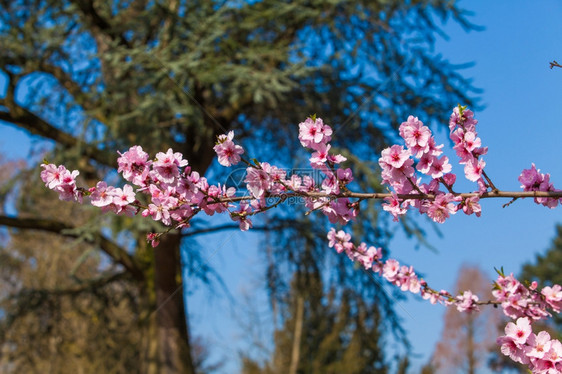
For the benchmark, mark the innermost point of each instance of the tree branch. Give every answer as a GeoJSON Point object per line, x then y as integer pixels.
{"type": "Point", "coordinates": [93, 18]}
{"type": "Point", "coordinates": [25, 119]}
{"type": "Point", "coordinates": [381, 195]}
{"type": "Point", "coordinates": [231, 226]}
{"type": "Point", "coordinates": [554, 63]}
{"type": "Point", "coordinates": [114, 251]}
{"type": "Point", "coordinates": [91, 284]}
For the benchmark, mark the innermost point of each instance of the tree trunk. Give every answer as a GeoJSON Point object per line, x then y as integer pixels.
{"type": "Point", "coordinates": [296, 350]}
{"type": "Point", "coordinates": [169, 345]}
{"type": "Point", "coordinates": [470, 349]}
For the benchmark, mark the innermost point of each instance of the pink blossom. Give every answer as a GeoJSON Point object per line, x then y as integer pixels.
{"type": "Point", "coordinates": [530, 178]}
{"type": "Point", "coordinates": [336, 159]}
{"type": "Point", "coordinates": [539, 344]}
{"type": "Point", "coordinates": [166, 166]}
{"type": "Point", "coordinates": [257, 181]}
{"type": "Point", "coordinates": [441, 208]}
{"type": "Point", "coordinates": [395, 156]}
{"type": "Point", "coordinates": [339, 240]}
{"type": "Point", "coordinates": [102, 194]}
{"type": "Point", "coordinates": [241, 215]}
{"type": "Point", "coordinates": [511, 349]}
{"type": "Point", "coordinates": [439, 167]}
{"type": "Point", "coordinates": [416, 135]}
{"type": "Point", "coordinates": [134, 165]}
{"type": "Point", "coordinates": [473, 169]}
{"type": "Point", "coordinates": [390, 270]}
{"type": "Point", "coordinates": [425, 162]}
{"type": "Point", "coordinates": [467, 302]}
{"type": "Point", "coordinates": [228, 153]}
{"type": "Point", "coordinates": [471, 205]}
{"type": "Point", "coordinates": [345, 176]}
{"type": "Point", "coordinates": [123, 196]}
{"type": "Point", "coordinates": [314, 132]}
{"type": "Point", "coordinates": [553, 296]}
{"type": "Point", "coordinates": [520, 331]}
{"type": "Point", "coordinates": [319, 157]}
{"type": "Point", "coordinates": [450, 179]}
{"type": "Point", "coordinates": [392, 205]}
{"type": "Point", "coordinates": [52, 174]}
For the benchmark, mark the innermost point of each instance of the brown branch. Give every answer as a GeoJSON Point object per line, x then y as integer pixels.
{"type": "Point", "coordinates": [380, 196]}
{"type": "Point", "coordinates": [114, 251]}
{"type": "Point", "coordinates": [84, 286]}
{"type": "Point", "coordinates": [27, 120]}
{"type": "Point", "coordinates": [554, 63]}
{"type": "Point", "coordinates": [97, 22]}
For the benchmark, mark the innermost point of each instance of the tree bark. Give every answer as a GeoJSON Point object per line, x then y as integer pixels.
{"type": "Point", "coordinates": [173, 348]}
{"type": "Point", "coordinates": [296, 350]}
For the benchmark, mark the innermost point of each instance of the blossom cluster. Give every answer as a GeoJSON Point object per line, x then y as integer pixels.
{"type": "Point", "coordinates": [518, 300]}
{"type": "Point", "coordinates": [401, 276]}
{"type": "Point", "coordinates": [533, 180]}
{"type": "Point", "coordinates": [542, 354]}
{"type": "Point", "coordinates": [399, 168]}
{"type": "Point", "coordinates": [177, 194]}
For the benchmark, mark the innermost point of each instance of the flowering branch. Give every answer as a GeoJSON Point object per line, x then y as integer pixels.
{"type": "Point", "coordinates": [176, 194]}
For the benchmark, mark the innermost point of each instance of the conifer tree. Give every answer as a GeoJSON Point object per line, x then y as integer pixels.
{"type": "Point", "coordinates": [86, 78]}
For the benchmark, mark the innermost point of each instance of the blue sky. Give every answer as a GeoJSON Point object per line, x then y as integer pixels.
{"type": "Point", "coordinates": [521, 123]}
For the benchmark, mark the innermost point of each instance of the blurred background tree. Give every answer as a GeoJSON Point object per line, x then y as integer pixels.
{"type": "Point", "coordinates": [86, 78]}
{"type": "Point", "coordinates": [333, 331]}
{"type": "Point", "coordinates": [467, 338]}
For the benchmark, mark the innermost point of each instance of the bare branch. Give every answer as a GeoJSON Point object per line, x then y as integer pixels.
{"type": "Point", "coordinates": [554, 63]}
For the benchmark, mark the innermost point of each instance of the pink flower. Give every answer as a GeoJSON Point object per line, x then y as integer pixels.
{"type": "Point", "coordinates": [441, 208]}
{"type": "Point", "coordinates": [167, 164]}
{"type": "Point", "coordinates": [416, 135]}
{"type": "Point", "coordinates": [228, 153]}
{"type": "Point", "coordinates": [339, 240]}
{"type": "Point", "coordinates": [530, 178]}
{"type": "Point", "coordinates": [134, 165]}
{"type": "Point", "coordinates": [539, 344]}
{"type": "Point", "coordinates": [511, 349]}
{"type": "Point", "coordinates": [319, 157]}
{"type": "Point", "coordinates": [314, 132]}
{"type": "Point", "coordinates": [467, 302]}
{"type": "Point", "coordinates": [392, 205]}
{"type": "Point", "coordinates": [390, 270]}
{"type": "Point", "coordinates": [257, 181]}
{"type": "Point", "coordinates": [52, 174]}
{"type": "Point", "coordinates": [395, 156]}
{"type": "Point", "coordinates": [553, 296]}
{"type": "Point", "coordinates": [473, 169]}
{"type": "Point", "coordinates": [439, 167]}
{"type": "Point", "coordinates": [425, 162]}
{"type": "Point", "coordinates": [241, 215]}
{"type": "Point", "coordinates": [345, 176]}
{"type": "Point", "coordinates": [102, 195]}
{"type": "Point", "coordinates": [123, 197]}
{"type": "Point", "coordinates": [472, 205]}
{"type": "Point", "coordinates": [519, 332]}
